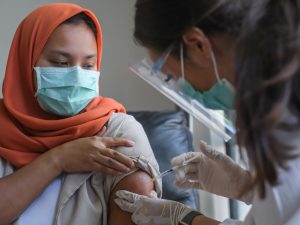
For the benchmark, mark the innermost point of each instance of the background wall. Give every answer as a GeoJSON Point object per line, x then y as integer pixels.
{"type": "Point", "coordinates": [116, 18]}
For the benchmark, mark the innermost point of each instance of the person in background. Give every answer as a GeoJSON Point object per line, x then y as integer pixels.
{"type": "Point", "coordinates": [65, 150]}
{"type": "Point", "coordinates": [263, 66]}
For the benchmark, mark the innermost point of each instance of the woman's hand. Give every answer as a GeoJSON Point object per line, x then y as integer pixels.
{"type": "Point", "coordinates": [93, 154]}
{"type": "Point", "coordinates": [214, 172]}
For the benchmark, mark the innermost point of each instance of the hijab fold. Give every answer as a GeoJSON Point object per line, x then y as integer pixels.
{"type": "Point", "coordinates": [26, 131]}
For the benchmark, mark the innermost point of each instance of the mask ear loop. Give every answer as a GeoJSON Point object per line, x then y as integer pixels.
{"type": "Point", "coordinates": [214, 61]}
{"type": "Point", "coordinates": [215, 66]}
{"type": "Point", "coordinates": [182, 61]}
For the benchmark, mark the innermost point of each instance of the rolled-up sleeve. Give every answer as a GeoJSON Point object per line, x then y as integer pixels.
{"type": "Point", "coordinates": [125, 126]}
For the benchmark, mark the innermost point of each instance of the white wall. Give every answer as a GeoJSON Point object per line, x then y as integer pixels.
{"type": "Point", "coordinates": [116, 18]}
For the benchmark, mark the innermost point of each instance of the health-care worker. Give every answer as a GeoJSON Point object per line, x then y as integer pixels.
{"type": "Point", "coordinates": [264, 71]}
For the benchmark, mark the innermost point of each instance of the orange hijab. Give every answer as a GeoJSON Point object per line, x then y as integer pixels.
{"type": "Point", "coordinates": [26, 131]}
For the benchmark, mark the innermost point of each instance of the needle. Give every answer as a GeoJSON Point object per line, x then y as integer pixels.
{"type": "Point", "coordinates": [173, 169]}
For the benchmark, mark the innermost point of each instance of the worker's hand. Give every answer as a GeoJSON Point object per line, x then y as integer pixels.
{"type": "Point", "coordinates": [214, 172]}
{"type": "Point", "coordinates": [93, 154]}
{"type": "Point", "coordinates": [151, 211]}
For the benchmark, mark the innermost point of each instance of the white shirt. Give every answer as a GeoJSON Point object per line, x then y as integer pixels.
{"type": "Point", "coordinates": [42, 210]}
{"type": "Point", "coordinates": [282, 203]}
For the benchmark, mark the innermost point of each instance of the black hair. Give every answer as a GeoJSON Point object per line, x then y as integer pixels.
{"type": "Point", "coordinates": [82, 17]}
{"type": "Point", "coordinates": [160, 23]}
{"type": "Point", "coordinates": [268, 81]}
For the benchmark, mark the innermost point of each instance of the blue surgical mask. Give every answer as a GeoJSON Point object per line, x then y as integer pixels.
{"type": "Point", "coordinates": [66, 91]}
{"type": "Point", "coordinates": [219, 97]}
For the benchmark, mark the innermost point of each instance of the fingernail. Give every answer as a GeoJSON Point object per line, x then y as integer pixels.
{"type": "Point", "coordinates": [131, 142]}
{"type": "Point", "coordinates": [132, 165]}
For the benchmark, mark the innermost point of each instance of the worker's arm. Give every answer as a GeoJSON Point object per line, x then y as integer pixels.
{"type": "Point", "coordinates": [203, 220]}
{"type": "Point", "coordinates": [157, 211]}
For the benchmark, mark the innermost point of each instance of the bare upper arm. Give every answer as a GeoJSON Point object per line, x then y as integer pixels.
{"type": "Point", "coordinates": [139, 182]}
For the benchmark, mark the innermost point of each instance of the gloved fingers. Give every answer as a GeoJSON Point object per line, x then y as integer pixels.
{"type": "Point", "coordinates": [129, 201]}
{"type": "Point", "coordinates": [125, 205]}
{"type": "Point", "coordinates": [153, 194]}
{"type": "Point", "coordinates": [182, 172]}
{"type": "Point", "coordinates": [187, 174]}
{"type": "Point", "coordinates": [191, 168]}
{"type": "Point", "coordinates": [183, 177]}
{"type": "Point", "coordinates": [180, 175]}
{"type": "Point", "coordinates": [181, 159]}
{"type": "Point", "coordinates": [192, 176]}
{"type": "Point", "coordinates": [129, 196]}
{"type": "Point", "coordinates": [221, 159]}
{"type": "Point", "coordinates": [196, 164]}
{"type": "Point", "coordinates": [211, 153]}
{"type": "Point", "coordinates": [189, 184]}
{"type": "Point", "coordinates": [207, 149]}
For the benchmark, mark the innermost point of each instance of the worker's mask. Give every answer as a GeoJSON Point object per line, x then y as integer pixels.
{"type": "Point", "coordinates": [66, 91]}
{"type": "Point", "coordinates": [219, 97]}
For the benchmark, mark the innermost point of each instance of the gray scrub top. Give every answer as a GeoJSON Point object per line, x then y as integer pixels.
{"type": "Point", "coordinates": [83, 197]}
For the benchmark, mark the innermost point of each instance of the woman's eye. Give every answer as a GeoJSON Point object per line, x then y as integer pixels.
{"type": "Point", "coordinates": [60, 63]}
{"type": "Point", "coordinates": [89, 67]}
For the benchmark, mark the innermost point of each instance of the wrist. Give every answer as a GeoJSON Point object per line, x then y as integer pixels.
{"type": "Point", "coordinates": [201, 219]}
{"type": "Point", "coordinates": [189, 217]}
{"type": "Point", "coordinates": [246, 193]}
{"type": "Point", "coordinates": [54, 159]}
{"type": "Point", "coordinates": [198, 220]}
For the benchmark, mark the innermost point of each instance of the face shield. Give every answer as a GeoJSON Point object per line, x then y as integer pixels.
{"type": "Point", "coordinates": [175, 90]}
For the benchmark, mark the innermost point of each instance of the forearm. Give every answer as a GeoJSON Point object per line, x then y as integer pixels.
{"type": "Point", "coordinates": [19, 189]}
{"type": "Point", "coordinates": [203, 220]}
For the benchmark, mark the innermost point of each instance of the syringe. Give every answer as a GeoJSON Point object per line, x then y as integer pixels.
{"type": "Point", "coordinates": [165, 173]}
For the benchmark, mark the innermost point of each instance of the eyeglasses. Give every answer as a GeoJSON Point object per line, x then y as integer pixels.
{"type": "Point", "coordinates": [160, 62]}
{"type": "Point", "coordinates": [156, 68]}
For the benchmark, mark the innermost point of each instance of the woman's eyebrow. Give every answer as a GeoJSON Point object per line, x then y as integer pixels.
{"type": "Point", "coordinates": [68, 55]}
{"type": "Point", "coordinates": [58, 52]}
{"type": "Point", "coordinates": [91, 56]}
